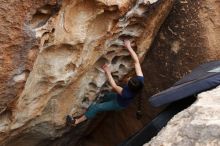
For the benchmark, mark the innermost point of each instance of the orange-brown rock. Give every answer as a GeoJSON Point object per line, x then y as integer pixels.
{"type": "Point", "coordinates": [51, 54]}
{"type": "Point", "coordinates": [185, 40]}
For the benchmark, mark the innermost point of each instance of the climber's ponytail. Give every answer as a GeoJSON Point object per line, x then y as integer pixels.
{"type": "Point", "coordinates": [139, 113]}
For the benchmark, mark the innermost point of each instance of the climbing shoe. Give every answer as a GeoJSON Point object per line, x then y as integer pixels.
{"type": "Point", "coordinates": [70, 120]}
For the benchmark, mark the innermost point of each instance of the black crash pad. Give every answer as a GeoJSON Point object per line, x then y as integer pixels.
{"type": "Point", "coordinates": [204, 77]}
{"type": "Point", "coordinates": [151, 129]}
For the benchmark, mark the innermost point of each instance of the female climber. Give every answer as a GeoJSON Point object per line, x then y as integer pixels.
{"type": "Point", "coordinates": [114, 100]}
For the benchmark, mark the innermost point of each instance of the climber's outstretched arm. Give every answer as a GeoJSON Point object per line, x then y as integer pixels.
{"type": "Point", "coordinates": [134, 57]}
{"type": "Point", "coordinates": [117, 88]}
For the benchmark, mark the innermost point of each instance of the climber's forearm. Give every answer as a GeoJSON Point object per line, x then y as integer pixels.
{"type": "Point", "coordinates": [137, 64]}
{"type": "Point", "coordinates": [133, 55]}
{"type": "Point", "coordinates": [110, 79]}
{"type": "Point", "coordinates": [117, 88]}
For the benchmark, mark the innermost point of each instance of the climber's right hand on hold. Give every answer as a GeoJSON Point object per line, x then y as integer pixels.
{"type": "Point", "coordinates": [127, 44]}
{"type": "Point", "coordinates": [105, 67]}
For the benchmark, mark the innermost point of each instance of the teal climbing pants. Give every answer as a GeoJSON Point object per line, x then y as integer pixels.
{"type": "Point", "coordinates": [109, 103]}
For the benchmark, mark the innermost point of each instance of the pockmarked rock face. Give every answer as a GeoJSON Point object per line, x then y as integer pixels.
{"type": "Point", "coordinates": [51, 58]}
{"type": "Point", "coordinates": [188, 37]}
{"type": "Point", "coordinates": [197, 125]}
